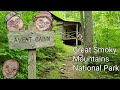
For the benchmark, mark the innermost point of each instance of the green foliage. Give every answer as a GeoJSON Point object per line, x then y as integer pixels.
{"type": "Point", "coordinates": [106, 29]}
{"type": "Point", "coordinates": [48, 69]}
{"type": "Point", "coordinates": [27, 16]}
{"type": "Point", "coordinates": [52, 53]}
{"type": "Point", "coordinates": [54, 74]}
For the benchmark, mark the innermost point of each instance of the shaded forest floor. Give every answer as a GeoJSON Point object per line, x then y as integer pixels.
{"type": "Point", "coordinates": [67, 71]}
{"type": "Point", "coordinates": [62, 69]}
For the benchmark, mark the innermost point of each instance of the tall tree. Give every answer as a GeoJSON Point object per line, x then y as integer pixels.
{"type": "Point", "coordinates": [88, 33]}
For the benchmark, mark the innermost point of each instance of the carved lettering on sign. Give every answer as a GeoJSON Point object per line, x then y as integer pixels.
{"type": "Point", "coordinates": [30, 39]}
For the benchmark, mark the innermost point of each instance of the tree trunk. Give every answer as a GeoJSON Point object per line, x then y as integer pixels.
{"type": "Point", "coordinates": [88, 34]}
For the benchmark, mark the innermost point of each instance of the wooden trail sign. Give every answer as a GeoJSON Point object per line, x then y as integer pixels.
{"type": "Point", "coordinates": [30, 39]}
{"type": "Point", "coordinates": [38, 35]}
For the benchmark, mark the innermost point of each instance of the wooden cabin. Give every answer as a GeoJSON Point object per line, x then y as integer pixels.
{"type": "Point", "coordinates": [70, 31]}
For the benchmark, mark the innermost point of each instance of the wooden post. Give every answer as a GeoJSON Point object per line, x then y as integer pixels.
{"type": "Point", "coordinates": [76, 34]}
{"type": "Point", "coordinates": [31, 59]}
{"type": "Point", "coordinates": [32, 64]}
{"type": "Point", "coordinates": [82, 25]}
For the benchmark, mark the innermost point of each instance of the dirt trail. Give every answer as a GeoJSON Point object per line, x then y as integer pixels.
{"type": "Point", "coordinates": [67, 71]}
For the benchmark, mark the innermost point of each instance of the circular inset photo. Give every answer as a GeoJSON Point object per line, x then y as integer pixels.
{"type": "Point", "coordinates": [43, 23]}
{"type": "Point", "coordinates": [14, 23]}
{"type": "Point", "coordinates": [10, 68]}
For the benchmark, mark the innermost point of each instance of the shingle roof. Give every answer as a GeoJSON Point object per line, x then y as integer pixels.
{"type": "Point", "coordinates": [59, 19]}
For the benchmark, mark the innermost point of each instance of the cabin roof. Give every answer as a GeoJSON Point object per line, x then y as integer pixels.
{"type": "Point", "coordinates": [59, 19]}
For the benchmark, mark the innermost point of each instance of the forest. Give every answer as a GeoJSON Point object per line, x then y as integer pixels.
{"type": "Point", "coordinates": [56, 62]}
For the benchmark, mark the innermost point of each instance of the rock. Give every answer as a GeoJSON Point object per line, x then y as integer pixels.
{"type": "Point", "coordinates": [64, 64]}
{"type": "Point", "coordinates": [62, 69]}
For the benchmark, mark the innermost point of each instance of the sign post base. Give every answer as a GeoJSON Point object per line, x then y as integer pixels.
{"type": "Point", "coordinates": [32, 64]}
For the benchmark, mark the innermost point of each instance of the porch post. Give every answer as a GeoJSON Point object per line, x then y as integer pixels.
{"type": "Point", "coordinates": [76, 34]}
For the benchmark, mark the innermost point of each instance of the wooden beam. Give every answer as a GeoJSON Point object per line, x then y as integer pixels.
{"type": "Point", "coordinates": [76, 34]}
{"type": "Point", "coordinates": [68, 24]}
{"type": "Point", "coordinates": [68, 38]}
{"type": "Point", "coordinates": [82, 25]}
{"type": "Point", "coordinates": [58, 23]}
